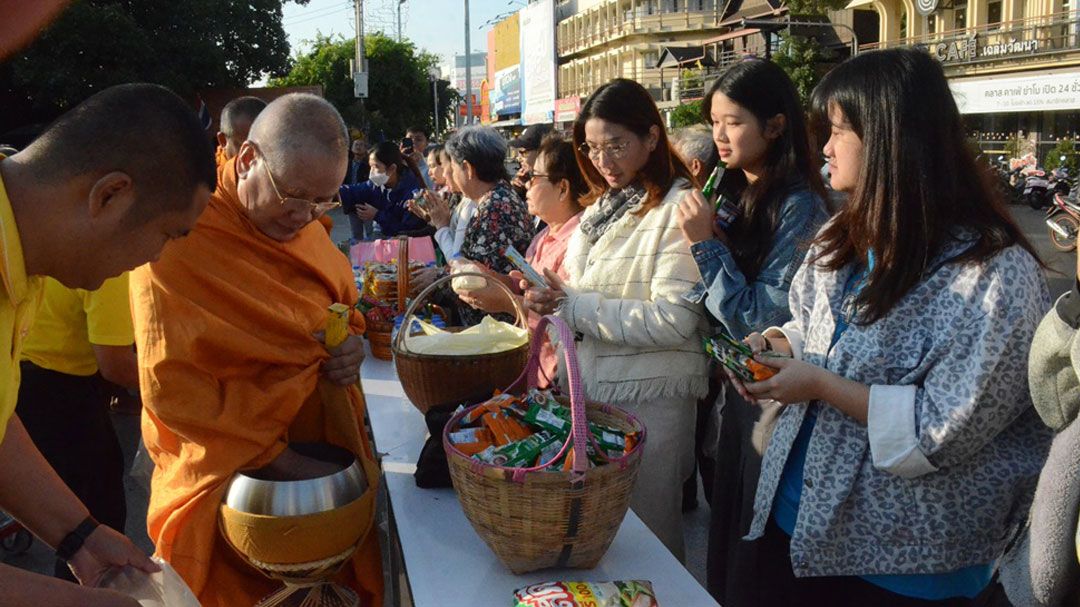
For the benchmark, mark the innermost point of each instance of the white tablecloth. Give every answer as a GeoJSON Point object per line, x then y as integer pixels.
{"type": "Point", "coordinates": [446, 562]}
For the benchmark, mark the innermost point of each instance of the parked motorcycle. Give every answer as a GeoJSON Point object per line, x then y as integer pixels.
{"type": "Point", "coordinates": [1036, 188]}
{"type": "Point", "coordinates": [1063, 220]}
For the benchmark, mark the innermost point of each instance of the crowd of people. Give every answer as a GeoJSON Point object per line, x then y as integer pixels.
{"type": "Point", "coordinates": [917, 443]}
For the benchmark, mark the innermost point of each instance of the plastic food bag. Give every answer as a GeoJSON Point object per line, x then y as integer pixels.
{"type": "Point", "coordinates": [630, 593]}
{"type": "Point", "coordinates": [464, 284]}
{"type": "Point", "coordinates": [488, 337]}
{"type": "Point", "coordinates": [162, 589]}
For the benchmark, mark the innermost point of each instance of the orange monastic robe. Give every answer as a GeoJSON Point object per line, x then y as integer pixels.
{"type": "Point", "coordinates": [230, 373]}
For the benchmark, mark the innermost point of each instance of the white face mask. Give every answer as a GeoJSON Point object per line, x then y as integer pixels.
{"type": "Point", "coordinates": [378, 178]}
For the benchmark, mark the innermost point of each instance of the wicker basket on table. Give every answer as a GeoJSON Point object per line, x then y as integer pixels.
{"type": "Point", "coordinates": [438, 380]}
{"type": "Point", "coordinates": [379, 333]}
{"type": "Point", "coordinates": [534, 518]}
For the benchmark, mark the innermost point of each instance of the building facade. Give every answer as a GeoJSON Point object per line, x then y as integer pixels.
{"type": "Point", "coordinates": [1013, 65]}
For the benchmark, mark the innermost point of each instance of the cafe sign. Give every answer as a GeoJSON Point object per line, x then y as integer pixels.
{"type": "Point", "coordinates": [1026, 93]}
{"type": "Point", "coordinates": [967, 49]}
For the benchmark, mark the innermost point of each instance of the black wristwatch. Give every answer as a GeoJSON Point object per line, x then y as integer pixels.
{"type": "Point", "coordinates": [73, 542]}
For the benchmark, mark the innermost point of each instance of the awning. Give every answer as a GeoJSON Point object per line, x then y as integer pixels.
{"type": "Point", "coordinates": [502, 124]}
{"type": "Point", "coordinates": [858, 3]}
{"type": "Point", "coordinates": [732, 35]}
{"type": "Point", "coordinates": [676, 56]}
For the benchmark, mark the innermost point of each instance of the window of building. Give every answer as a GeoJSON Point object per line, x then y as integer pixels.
{"type": "Point", "coordinates": [993, 13]}
{"type": "Point", "coordinates": [960, 16]}
{"type": "Point", "coordinates": [670, 6]}
{"type": "Point", "coordinates": [931, 23]}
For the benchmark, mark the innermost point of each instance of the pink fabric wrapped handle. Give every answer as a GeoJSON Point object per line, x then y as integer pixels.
{"type": "Point", "coordinates": [579, 430]}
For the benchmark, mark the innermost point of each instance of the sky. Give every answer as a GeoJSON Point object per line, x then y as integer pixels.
{"type": "Point", "coordinates": [437, 26]}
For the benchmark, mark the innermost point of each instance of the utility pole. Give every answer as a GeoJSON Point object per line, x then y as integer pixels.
{"type": "Point", "coordinates": [359, 63]}
{"type": "Point", "coordinates": [468, 69]}
{"type": "Point", "coordinates": [400, 2]}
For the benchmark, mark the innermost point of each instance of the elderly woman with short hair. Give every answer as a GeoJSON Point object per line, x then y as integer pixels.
{"type": "Point", "coordinates": [477, 165]}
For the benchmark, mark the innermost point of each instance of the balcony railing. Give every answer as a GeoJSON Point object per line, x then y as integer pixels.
{"type": "Point", "coordinates": [606, 29]}
{"type": "Point", "coordinates": [1036, 37]}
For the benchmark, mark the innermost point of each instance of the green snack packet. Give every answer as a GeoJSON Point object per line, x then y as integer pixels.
{"type": "Point", "coordinates": [544, 419]}
{"type": "Point", "coordinates": [518, 454]}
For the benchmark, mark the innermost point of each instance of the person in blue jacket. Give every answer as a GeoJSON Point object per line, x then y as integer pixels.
{"type": "Point", "coordinates": [392, 183]}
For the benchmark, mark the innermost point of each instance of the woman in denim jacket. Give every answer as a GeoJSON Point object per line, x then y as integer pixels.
{"type": "Point", "coordinates": [746, 268]}
{"type": "Point", "coordinates": [907, 452]}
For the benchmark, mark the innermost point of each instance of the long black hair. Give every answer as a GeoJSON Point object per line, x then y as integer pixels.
{"type": "Point", "coordinates": [389, 154]}
{"type": "Point", "coordinates": [766, 91]}
{"type": "Point", "coordinates": [628, 104]}
{"type": "Point", "coordinates": [918, 182]}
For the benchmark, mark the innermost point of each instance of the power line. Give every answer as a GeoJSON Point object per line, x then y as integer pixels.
{"type": "Point", "coordinates": [318, 13]}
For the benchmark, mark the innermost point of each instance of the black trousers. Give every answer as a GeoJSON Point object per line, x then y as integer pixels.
{"type": "Point", "coordinates": [67, 416]}
{"type": "Point", "coordinates": [771, 582]}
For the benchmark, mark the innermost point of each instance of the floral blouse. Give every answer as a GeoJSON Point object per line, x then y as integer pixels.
{"type": "Point", "coordinates": [501, 220]}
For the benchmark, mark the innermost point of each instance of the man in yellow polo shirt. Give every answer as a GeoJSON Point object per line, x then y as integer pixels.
{"type": "Point", "coordinates": [81, 345]}
{"type": "Point", "coordinates": [101, 191]}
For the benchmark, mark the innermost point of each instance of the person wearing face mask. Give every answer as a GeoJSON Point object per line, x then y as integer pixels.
{"type": "Point", "coordinates": [232, 358]}
{"type": "Point", "coordinates": [384, 197]}
{"type": "Point", "coordinates": [629, 268]}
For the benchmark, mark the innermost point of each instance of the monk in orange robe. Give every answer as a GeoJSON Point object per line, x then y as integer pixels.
{"type": "Point", "coordinates": [227, 326]}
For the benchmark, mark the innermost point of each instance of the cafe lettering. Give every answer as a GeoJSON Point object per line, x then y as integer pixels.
{"type": "Point", "coordinates": [968, 49]}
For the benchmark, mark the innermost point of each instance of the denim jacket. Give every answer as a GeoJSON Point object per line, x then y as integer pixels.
{"type": "Point", "coordinates": [743, 305]}
{"type": "Point", "coordinates": [942, 474]}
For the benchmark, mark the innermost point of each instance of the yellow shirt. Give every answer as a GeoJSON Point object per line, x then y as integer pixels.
{"type": "Point", "coordinates": [71, 321]}
{"type": "Point", "coordinates": [18, 302]}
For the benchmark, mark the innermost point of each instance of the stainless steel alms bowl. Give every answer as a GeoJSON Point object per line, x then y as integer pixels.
{"type": "Point", "coordinates": [249, 493]}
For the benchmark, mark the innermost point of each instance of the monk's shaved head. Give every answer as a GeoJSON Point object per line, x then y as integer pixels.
{"type": "Point", "coordinates": [299, 127]}
{"type": "Point", "coordinates": [236, 119]}
{"type": "Point", "coordinates": [238, 115]}
{"type": "Point", "coordinates": [142, 130]}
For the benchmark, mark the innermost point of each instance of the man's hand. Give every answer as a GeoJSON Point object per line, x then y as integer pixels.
{"type": "Point", "coordinates": [421, 278]}
{"type": "Point", "coordinates": [343, 366]}
{"type": "Point", "coordinates": [366, 212]}
{"type": "Point", "coordinates": [104, 549]}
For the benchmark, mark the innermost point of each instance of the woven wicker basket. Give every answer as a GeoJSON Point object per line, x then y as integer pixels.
{"type": "Point", "coordinates": [534, 518]}
{"type": "Point", "coordinates": [433, 380]}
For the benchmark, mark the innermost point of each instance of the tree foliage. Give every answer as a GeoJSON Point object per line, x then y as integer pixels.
{"type": "Point", "coordinates": [1065, 148]}
{"type": "Point", "coordinates": [185, 46]}
{"type": "Point", "coordinates": [399, 88]}
{"type": "Point", "coordinates": [687, 114]}
{"type": "Point", "coordinates": [800, 55]}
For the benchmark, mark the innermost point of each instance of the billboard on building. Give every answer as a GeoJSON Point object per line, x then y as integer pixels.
{"type": "Point", "coordinates": [538, 62]}
{"type": "Point", "coordinates": [506, 94]}
{"type": "Point", "coordinates": [1029, 93]}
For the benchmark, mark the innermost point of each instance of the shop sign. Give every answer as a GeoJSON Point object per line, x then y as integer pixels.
{"type": "Point", "coordinates": [968, 49]}
{"type": "Point", "coordinates": [567, 109]}
{"type": "Point", "coordinates": [1012, 47]}
{"type": "Point", "coordinates": [1029, 93]}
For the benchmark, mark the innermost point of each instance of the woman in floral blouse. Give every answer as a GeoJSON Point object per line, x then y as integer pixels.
{"type": "Point", "coordinates": [477, 156]}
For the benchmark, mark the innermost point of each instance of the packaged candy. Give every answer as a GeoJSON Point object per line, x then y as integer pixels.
{"type": "Point", "coordinates": [546, 419]}
{"type": "Point", "coordinates": [471, 441]}
{"type": "Point", "coordinates": [632, 593]}
{"type": "Point", "coordinates": [515, 455]}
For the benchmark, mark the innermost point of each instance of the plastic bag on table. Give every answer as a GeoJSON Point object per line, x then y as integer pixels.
{"type": "Point", "coordinates": [488, 337]}
{"type": "Point", "coordinates": [162, 589]}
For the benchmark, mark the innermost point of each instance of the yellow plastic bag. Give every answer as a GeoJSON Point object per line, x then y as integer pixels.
{"type": "Point", "coordinates": [488, 337]}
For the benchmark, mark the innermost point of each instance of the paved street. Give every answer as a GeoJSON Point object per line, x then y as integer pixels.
{"type": "Point", "coordinates": [39, 558]}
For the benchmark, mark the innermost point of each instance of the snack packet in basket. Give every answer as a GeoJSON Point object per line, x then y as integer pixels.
{"type": "Point", "coordinates": [162, 589]}
{"type": "Point", "coordinates": [632, 593]}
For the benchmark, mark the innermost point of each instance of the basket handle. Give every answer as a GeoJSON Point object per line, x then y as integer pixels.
{"type": "Point", "coordinates": [402, 271]}
{"type": "Point", "coordinates": [399, 341]}
{"type": "Point", "coordinates": [579, 423]}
